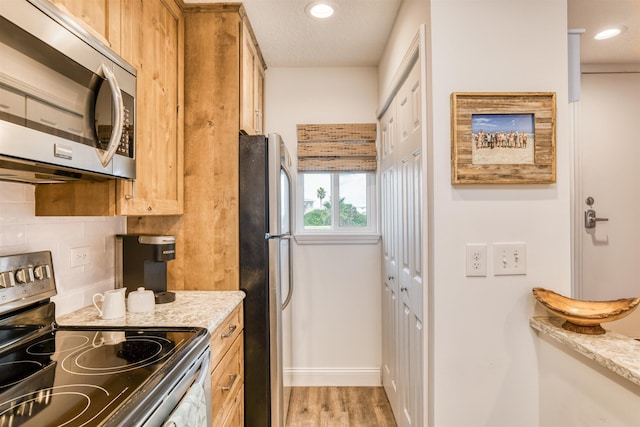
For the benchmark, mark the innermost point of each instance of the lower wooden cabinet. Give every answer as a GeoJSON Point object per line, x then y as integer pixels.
{"type": "Point", "coordinates": [227, 372]}
{"type": "Point", "coordinates": [236, 417]}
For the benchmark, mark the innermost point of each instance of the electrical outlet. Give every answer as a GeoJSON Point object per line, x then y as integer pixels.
{"type": "Point", "coordinates": [79, 256]}
{"type": "Point", "coordinates": [476, 260]}
{"type": "Point", "coordinates": [509, 259]}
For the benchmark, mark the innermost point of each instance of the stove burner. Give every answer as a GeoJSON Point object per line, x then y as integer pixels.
{"type": "Point", "coordinates": [15, 371]}
{"type": "Point", "coordinates": [76, 398]}
{"type": "Point", "coordinates": [106, 359]}
{"type": "Point", "coordinates": [48, 347]}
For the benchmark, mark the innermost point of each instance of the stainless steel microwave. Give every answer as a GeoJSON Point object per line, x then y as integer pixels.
{"type": "Point", "coordinates": [67, 102]}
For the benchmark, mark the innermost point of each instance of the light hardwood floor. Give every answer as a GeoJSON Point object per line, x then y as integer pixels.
{"type": "Point", "coordinates": [339, 407]}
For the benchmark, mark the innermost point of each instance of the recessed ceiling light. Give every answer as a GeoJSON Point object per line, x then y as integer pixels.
{"type": "Point", "coordinates": [608, 33]}
{"type": "Point", "coordinates": [320, 10]}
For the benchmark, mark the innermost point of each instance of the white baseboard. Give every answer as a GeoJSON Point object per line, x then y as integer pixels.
{"type": "Point", "coordinates": [325, 377]}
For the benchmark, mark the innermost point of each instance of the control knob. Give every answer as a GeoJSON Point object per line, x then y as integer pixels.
{"type": "Point", "coordinates": [24, 275]}
{"type": "Point", "coordinates": [41, 272]}
{"type": "Point", "coordinates": [6, 280]}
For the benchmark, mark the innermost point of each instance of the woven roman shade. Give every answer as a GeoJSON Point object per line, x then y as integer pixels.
{"type": "Point", "coordinates": [337, 147]}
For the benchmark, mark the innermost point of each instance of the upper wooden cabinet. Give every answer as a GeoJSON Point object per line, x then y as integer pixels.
{"type": "Point", "coordinates": [100, 17]}
{"type": "Point", "coordinates": [151, 38]}
{"type": "Point", "coordinates": [252, 83]}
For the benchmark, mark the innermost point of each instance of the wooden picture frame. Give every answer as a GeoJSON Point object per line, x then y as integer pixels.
{"type": "Point", "coordinates": [503, 138]}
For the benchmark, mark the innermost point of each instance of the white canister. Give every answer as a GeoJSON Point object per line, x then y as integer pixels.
{"type": "Point", "coordinates": [141, 301]}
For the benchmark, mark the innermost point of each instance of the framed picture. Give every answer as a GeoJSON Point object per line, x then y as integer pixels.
{"type": "Point", "coordinates": [503, 138]}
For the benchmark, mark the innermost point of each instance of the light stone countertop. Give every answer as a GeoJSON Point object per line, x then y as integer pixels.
{"type": "Point", "coordinates": [616, 352]}
{"type": "Point", "coordinates": [205, 309]}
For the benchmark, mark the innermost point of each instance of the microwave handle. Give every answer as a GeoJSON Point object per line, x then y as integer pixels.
{"type": "Point", "coordinates": [118, 123]}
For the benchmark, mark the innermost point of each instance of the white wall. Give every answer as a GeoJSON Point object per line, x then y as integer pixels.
{"type": "Point", "coordinates": [21, 231]}
{"type": "Point", "coordinates": [483, 349]}
{"type": "Point", "coordinates": [483, 366]}
{"type": "Point", "coordinates": [336, 303]}
{"type": "Point", "coordinates": [411, 14]}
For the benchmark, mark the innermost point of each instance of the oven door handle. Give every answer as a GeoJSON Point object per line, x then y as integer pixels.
{"type": "Point", "coordinates": [198, 375]}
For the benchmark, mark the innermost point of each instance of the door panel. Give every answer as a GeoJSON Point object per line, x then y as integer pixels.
{"type": "Point", "coordinates": [401, 174]}
{"type": "Point", "coordinates": [389, 230]}
{"type": "Point", "coordinates": [608, 151]}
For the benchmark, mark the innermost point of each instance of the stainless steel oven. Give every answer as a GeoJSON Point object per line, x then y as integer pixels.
{"type": "Point", "coordinates": [98, 376]}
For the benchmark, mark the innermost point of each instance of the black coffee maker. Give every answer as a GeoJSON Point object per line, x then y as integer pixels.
{"type": "Point", "coordinates": [142, 261]}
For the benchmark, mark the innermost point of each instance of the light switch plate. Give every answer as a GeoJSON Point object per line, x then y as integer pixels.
{"type": "Point", "coordinates": [509, 259]}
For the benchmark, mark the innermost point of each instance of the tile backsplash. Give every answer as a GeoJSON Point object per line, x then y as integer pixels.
{"type": "Point", "coordinates": [21, 231]}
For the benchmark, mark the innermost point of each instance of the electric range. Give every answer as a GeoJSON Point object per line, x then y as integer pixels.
{"type": "Point", "coordinates": [80, 376]}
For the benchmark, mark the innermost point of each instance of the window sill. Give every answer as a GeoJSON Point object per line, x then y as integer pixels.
{"type": "Point", "coordinates": [337, 239]}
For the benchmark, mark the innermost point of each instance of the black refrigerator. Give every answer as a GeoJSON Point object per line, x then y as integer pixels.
{"type": "Point", "coordinates": [265, 205]}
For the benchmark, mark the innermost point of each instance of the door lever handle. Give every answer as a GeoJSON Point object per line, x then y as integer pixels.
{"type": "Point", "coordinates": [590, 219]}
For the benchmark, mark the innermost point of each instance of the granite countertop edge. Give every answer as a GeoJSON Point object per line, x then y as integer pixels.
{"type": "Point", "coordinates": [616, 352]}
{"type": "Point", "coordinates": [205, 309]}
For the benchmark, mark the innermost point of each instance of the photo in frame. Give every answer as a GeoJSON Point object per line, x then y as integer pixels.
{"type": "Point", "coordinates": [503, 138]}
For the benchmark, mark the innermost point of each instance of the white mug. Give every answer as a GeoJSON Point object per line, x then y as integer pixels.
{"type": "Point", "coordinates": [113, 305]}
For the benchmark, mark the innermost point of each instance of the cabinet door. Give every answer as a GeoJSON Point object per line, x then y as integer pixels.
{"type": "Point", "coordinates": [247, 67]}
{"type": "Point", "coordinates": [152, 41]}
{"type": "Point", "coordinates": [100, 17]}
{"type": "Point", "coordinates": [252, 85]}
{"type": "Point", "coordinates": [258, 97]}
{"type": "Point", "coordinates": [152, 35]}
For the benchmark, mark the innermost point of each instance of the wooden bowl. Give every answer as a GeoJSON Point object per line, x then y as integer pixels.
{"type": "Point", "coordinates": [585, 316]}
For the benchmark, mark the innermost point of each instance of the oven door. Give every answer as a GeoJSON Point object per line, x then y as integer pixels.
{"type": "Point", "coordinates": [186, 402]}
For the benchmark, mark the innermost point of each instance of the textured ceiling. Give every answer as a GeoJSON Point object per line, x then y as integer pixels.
{"type": "Point", "coordinates": [596, 15]}
{"type": "Point", "coordinates": [357, 34]}
{"type": "Point", "coordinates": [288, 37]}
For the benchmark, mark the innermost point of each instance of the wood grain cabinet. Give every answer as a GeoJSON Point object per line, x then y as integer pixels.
{"type": "Point", "coordinates": [207, 234]}
{"type": "Point", "coordinates": [252, 84]}
{"type": "Point", "coordinates": [150, 37]}
{"type": "Point", "coordinates": [99, 17]}
{"type": "Point", "coordinates": [227, 372]}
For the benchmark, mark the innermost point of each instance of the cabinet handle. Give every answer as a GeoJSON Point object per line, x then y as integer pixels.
{"type": "Point", "coordinates": [403, 289]}
{"type": "Point", "coordinates": [231, 381]}
{"type": "Point", "coordinates": [232, 329]}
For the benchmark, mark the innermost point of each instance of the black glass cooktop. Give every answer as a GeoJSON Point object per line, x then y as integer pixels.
{"type": "Point", "coordinates": [79, 377]}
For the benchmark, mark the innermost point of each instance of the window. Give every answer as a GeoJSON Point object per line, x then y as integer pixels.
{"type": "Point", "coordinates": [354, 210]}
{"type": "Point", "coordinates": [336, 183]}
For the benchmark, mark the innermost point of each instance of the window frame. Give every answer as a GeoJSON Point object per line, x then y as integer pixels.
{"type": "Point", "coordinates": [336, 233]}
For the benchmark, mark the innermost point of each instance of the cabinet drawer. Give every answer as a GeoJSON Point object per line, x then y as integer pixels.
{"type": "Point", "coordinates": [225, 335]}
{"type": "Point", "coordinates": [236, 414]}
{"type": "Point", "coordinates": [226, 382]}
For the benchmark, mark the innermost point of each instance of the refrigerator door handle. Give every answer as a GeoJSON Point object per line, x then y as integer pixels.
{"type": "Point", "coordinates": [268, 236]}
{"type": "Point", "coordinates": [290, 294]}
